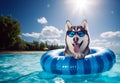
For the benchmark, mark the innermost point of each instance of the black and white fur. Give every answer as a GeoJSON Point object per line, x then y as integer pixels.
{"type": "Point", "coordinates": [83, 42]}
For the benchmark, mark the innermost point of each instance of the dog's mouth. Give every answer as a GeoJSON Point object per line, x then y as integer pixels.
{"type": "Point", "coordinates": [77, 46]}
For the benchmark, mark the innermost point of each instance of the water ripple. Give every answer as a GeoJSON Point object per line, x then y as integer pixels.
{"type": "Point", "coordinates": [26, 68]}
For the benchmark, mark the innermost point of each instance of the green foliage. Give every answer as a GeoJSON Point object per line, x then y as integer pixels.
{"type": "Point", "coordinates": [35, 45]}
{"type": "Point", "coordinates": [42, 46]}
{"type": "Point", "coordinates": [19, 45]}
{"type": "Point", "coordinates": [32, 45]}
{"type": "Point", "coordinates": [9, 32]}
{"type": "Point", "coordinates": [51, 47]}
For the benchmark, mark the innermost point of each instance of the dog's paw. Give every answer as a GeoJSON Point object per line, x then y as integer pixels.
{"type": "Point", "coordinates": [78, 56]}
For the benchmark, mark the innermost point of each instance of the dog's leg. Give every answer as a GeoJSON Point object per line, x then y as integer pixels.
{"type": "Point", "coordinates": [78, 56]}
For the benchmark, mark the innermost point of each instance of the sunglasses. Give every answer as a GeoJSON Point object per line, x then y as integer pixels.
{"type": "Point", "coordinates": [72, 33]}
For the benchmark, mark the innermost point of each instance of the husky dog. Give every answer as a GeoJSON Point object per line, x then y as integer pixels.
{"type": "Point", "coordinates": [77, 40]}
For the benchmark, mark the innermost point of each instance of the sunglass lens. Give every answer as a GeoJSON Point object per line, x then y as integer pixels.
{"type": "Point", "coordinates": [71, 33]}
{"type": "Point", "coordinates": [81, 34]}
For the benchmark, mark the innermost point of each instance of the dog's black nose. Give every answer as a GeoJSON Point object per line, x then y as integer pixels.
{"type": "Point", "coordinates": [75, 39]}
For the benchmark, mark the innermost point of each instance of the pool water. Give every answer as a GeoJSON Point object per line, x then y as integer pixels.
{"type": "Point", "coordinates": [26, 68]}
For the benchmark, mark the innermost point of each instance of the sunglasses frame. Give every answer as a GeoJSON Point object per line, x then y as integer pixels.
{"type": "Point", "coordinates": [68, 33]}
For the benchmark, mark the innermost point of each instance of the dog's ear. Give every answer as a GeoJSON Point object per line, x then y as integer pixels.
{"type": "Point", "coordinates": [68, 25]}
{"type": "Point", "coordinates": [84, 24]}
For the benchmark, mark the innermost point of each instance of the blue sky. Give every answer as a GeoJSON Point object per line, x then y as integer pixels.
{"type": "Point", "coordinates": [44, 20]}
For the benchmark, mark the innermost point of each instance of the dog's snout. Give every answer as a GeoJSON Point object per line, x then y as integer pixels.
{"type": "Point", "coordinates": [75, 39]}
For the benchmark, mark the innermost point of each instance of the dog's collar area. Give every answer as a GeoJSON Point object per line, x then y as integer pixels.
{"type": "Point", "coordinates": [79, 33]}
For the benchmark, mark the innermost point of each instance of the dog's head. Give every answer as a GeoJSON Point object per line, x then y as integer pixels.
{"type": "Point", "coordinates": [77, 37]}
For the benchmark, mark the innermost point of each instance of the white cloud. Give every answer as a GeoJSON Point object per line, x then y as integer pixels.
{"type": "Point", "coordinates": [47, 32]}
{"type": "Point", "coordinates": [53, 41]}
{"type": "Point", "coordinates": [110, 34]}
{"type": "Point", "coordinates": [114, 45]}
{"type": "Point", "coordinates": [33, 34]}
{"type": "Point", "coordinates": [50, 32]}
{"type": "Point", "coordinates": [100, 42]}
{"type": "Point", "coordinates": [42, 20]}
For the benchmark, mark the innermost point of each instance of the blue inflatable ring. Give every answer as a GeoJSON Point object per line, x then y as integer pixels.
{"type": "Point", "coordinates": [99, 60]}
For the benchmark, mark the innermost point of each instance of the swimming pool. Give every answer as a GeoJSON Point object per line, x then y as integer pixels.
{"type": "Point", "coordinates": [26, 68]}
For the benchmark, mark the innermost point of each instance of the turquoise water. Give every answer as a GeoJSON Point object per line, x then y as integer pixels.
{"type": "Point", "coordinates": [26, 68]}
